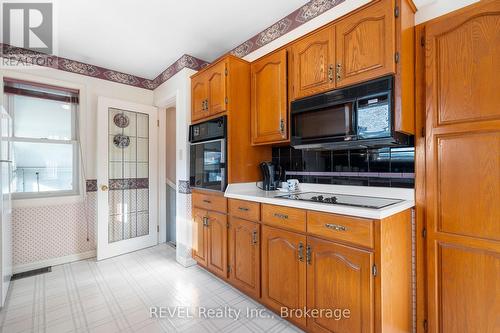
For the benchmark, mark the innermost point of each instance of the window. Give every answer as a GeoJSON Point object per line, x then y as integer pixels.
{"type": "Point", "coordinates": [45, 150]}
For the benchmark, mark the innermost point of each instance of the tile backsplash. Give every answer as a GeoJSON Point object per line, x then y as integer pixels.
{"type": "Point", "coordinates": [387, 167]}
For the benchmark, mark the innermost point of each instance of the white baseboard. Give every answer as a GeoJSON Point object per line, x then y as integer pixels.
{"type": "Point", "coordinates": [53, 261]}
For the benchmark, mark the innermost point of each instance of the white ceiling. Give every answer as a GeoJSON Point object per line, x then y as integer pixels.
{"type": "Point", "coordinates": [144, 37]}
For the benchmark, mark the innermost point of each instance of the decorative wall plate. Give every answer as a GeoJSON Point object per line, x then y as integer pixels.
{"type": "Point", "coordinates": [121, 120]}
{"type": "Point", "coordinates": [121, 141]}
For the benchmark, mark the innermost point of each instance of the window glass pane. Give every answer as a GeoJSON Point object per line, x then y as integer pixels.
{"type": "Point", "coordinates": [42, 118]}
{"type": "Point", "coordinates": [43, 167]}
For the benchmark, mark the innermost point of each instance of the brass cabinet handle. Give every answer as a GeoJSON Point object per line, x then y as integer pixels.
{"type": "Point", "coordinates": [206, 221]}
{"type": "Point", "coordinates": [301, 251]}
{"type": "Point", "coordinates": [104, 188]}
{"type": "Point", "coordinates": [336, 227]}
{"type": "Point", "coordinates": [244, 209]}
{"type": "Point", "coordinates": [254, 237]}
{"type": "Point", "coordinates": [330, 73]}
{"type": "Point", "coordinates": [282, 127]}
{"type": "Point", "coordinates": [339, 71]}
{"type": "Point", "coordinates": [281, 216]}
{"type": "Point", "coordinates": [207, 201]}
{"type": "Point", "coordinates": [308, 254]}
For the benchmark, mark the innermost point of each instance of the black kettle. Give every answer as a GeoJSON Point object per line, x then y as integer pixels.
{"type": "Point", "coordinates": [272, 174]}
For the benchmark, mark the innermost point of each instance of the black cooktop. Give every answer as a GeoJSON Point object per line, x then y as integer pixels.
{"type": "Point", "coordinates": [342, 199]}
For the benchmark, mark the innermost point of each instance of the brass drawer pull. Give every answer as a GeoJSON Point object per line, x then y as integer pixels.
{"type": "Point", "coordinates": [330, 73]}
{"type": "Point", "coordinates": [254, 237]}
{"type": "Point", "coordinates": [339, 72]}
{"type": "Point", "coordinates": [308, 254]}
{"type": "Point", "coordinates": [244, 209]}
{"type": "Point", "coordinates": [301, 251]}
{"type": "Point", "coordinates": [336, 227]}
{"type": "Point", "coordinates": [281, 216]}
{"type": "Point", "coordinates": [207, 201]}
{"type": "Point", "coordinates": [205, 221]}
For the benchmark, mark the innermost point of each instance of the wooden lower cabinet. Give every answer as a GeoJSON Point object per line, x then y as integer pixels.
{"type": "Point", "coordinates": [339, 278]}
{"type": "Point", "coordinates": [244, 255]}
{"type": "Point", "coordinates": [320, 281]}
{"type": "Point", "coordinates": [284, 271]}
{"type": "Point", "coordinates": [199, 237]}
{"type": "Point", "coordinates": [217, 243]}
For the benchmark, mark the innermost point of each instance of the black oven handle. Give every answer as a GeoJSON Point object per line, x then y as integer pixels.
{"type": "Point", "coordinates": [223, 164]}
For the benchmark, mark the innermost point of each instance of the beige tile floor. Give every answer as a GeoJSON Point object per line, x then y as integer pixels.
{"type": "Point", "coordinates": [116, 295]}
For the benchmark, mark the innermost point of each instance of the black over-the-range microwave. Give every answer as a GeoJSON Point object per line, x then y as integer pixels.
{"type": "Point", "coordinates": [360, 116]}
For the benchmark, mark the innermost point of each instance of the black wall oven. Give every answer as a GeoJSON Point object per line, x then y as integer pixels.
{"type": "Point", "coordinates": [208, 154]}
{"type": "Point", "coordinates": [355, 117]}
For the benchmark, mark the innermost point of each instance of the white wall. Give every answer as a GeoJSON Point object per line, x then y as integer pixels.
{"type": "Point", "coordinates": [177, 92]}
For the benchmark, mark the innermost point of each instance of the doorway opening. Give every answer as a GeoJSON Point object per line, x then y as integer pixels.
{"type": "Point", "coordinates": [170, 176]}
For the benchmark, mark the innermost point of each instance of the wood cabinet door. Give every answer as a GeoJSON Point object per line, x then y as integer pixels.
{"type": "Point", "coordinates": [313, 60]}
{"type": "Point", "coordinates": [340, 277]}
{"type": "Point", "coordinates": [283, 270]}
{"type": "Point", "coordinates": [199, 236]}
{"type": "Point", "coordinates": [244, 254]}
{"type": "Point", "coordinates": [217, 243]}
{"type": "Point", "coordinates": [269, 116]}
{"type": "Point", "coordinates": [199, 97]}
{"type": "Point", "coordinates": [365, 44]}
{"type": "Point", "coordinates": [463, 169]}
{"type": "Point", "coordinates": [216, 80]}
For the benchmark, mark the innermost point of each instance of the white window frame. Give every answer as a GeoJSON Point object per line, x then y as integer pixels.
{"type": "Point", "coordinates": [76, 155]}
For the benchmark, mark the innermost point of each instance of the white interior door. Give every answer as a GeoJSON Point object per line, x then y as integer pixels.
{"type": "Point", "coordinates": [126, 177]}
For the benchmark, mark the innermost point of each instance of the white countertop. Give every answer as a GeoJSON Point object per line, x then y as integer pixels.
{"type": "Point", "coordinates": [250, 192]}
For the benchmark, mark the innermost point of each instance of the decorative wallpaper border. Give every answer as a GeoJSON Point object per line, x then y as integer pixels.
{"type": "Point", "coordinates": [186, 61]}
{"type": "Point", "coordinates": [91, 185]}
{"type": "Point", "coordinates": [184, 187]}
{"type": "Point", "coordinates": [295, 19]}
{"type": "Point", "coordinates": [128, 183]}
{"type": "Point", "coordinates": [119, 184]}
{"type": "Point", "coordinates": [20, 56]}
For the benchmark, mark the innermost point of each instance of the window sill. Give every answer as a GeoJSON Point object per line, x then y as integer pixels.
{"type": "Point", "coordinates": [47, 201]}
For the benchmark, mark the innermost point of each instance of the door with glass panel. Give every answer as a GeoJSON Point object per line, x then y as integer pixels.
{"type": "Point", "coordinates": [127, 179]}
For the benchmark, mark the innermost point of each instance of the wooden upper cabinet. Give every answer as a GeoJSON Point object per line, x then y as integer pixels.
{"type": "Point", "coordinates": [217, 243]}
{"type": "Point", "coordinates": [208, 92]}
{"type": "Point", "coordinates": [313, 60]}
{"type": "Point", "coordinates": [244, 254]}
{"type": "Point", "coordinates": [216, 81]}
{"type": "Point", "coordinates": [365, 44]}
{"type": "Point", "coordinates": [269, 99]}
{"type": "Point", "coordinates": [199, 236]}
{"type": "Point", "coordinates": [283, 270]}
{"type": "Point", "coordinates": [339, 277]}
{"type": "Point", "coordinates": [199, 93]}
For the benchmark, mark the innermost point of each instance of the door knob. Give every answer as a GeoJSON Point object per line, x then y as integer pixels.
{"type": "Point", "coordinates": [104, 188]}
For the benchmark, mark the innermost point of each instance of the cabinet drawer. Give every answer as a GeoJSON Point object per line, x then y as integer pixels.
{"type": "Point", "coordinates": [338, 227]}
{"type": "Point", "coordinates": [247, 210]}
{"type": "Point", "coordinates": [285, 217]}
{"type": "Point", "coordinates": [214, 202]}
